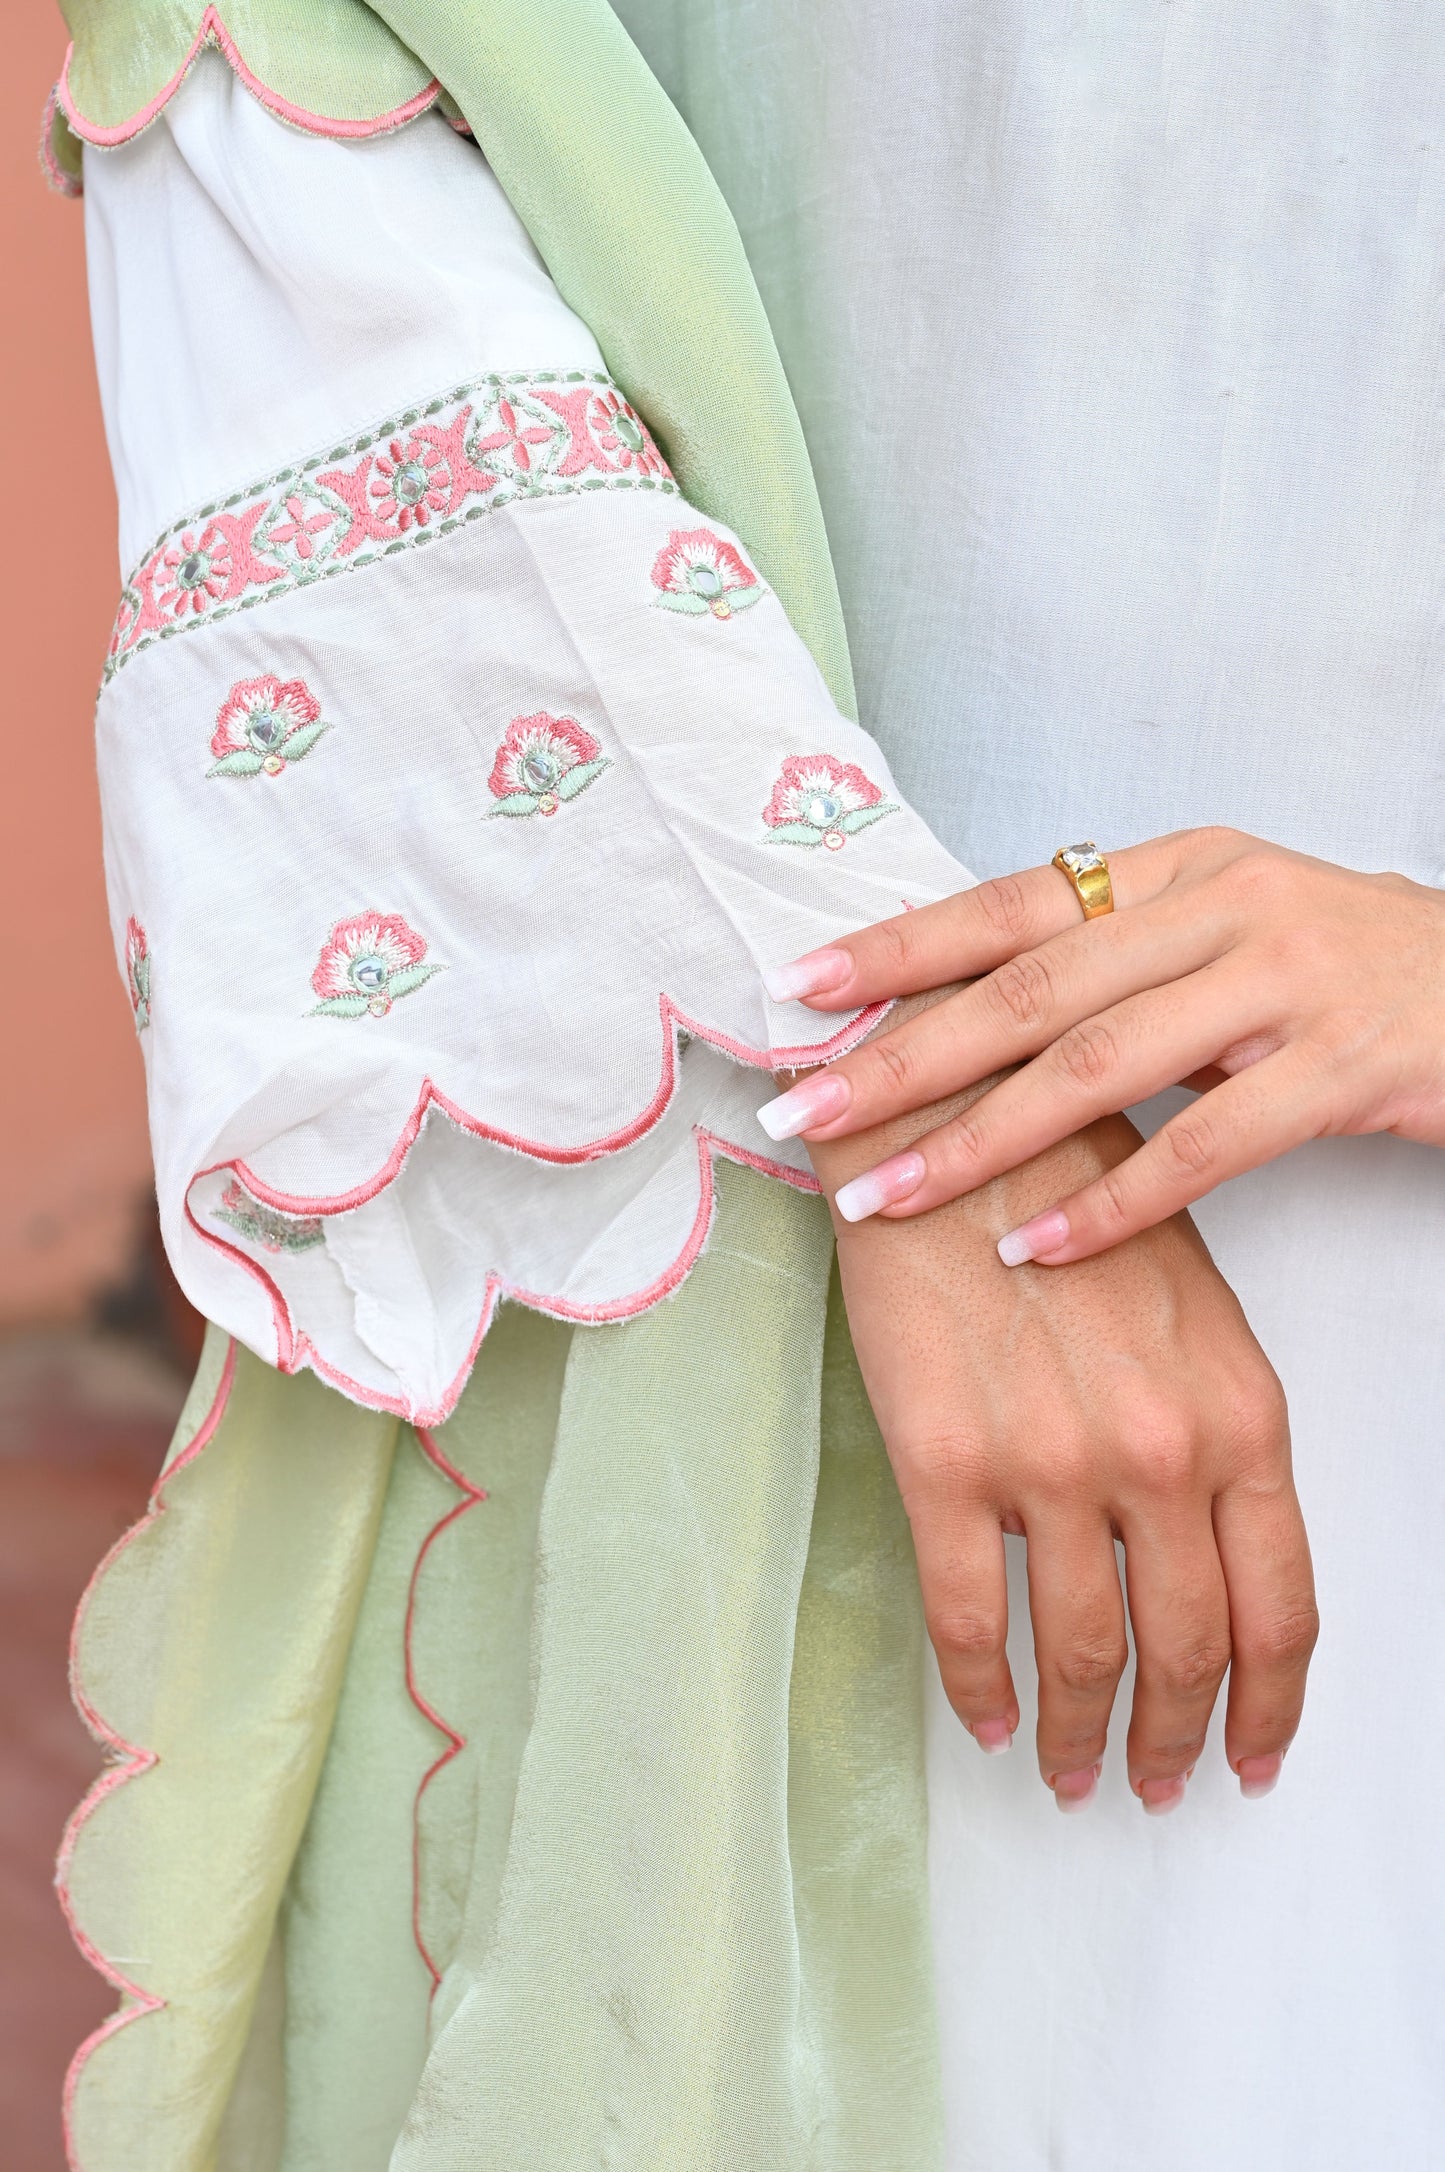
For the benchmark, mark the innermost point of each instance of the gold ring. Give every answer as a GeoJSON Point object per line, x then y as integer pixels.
{"type": "Point", "coordinates": [1088, 871]}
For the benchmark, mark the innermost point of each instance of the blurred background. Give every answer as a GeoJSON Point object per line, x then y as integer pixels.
{"type": "Point", "coordinates": [95, 1340]}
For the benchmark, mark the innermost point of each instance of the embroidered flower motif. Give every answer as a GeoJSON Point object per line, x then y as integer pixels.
{"type": "Point", "coordinates": [298, 528]}
{"type": "Point", "coordinates": [193, 573]}
{"type": "Point", "coordinates": [819, 800]}
{"type": "Point", "coordinates": [697, 571]}
{"type": "Point", "coordinates": [542, 761]}
{"type": "Point", "coordinates": [514, 437]}
{"type": "Point", "coordinates": [621, 432]}
{"type": "Point", "coordinates": [413, 483]}
{"type": "Point", "coordinates": [264, 724]}
{"type": "Point", "coordinates": [366, 964]}
{"type": "Point", "coordinates": [138, 973]}
{"type": "Point", "coordinates": [264, 1226]}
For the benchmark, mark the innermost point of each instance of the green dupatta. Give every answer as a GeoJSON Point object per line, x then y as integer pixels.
{"type": "Point", "coordinates": [545, 1792]}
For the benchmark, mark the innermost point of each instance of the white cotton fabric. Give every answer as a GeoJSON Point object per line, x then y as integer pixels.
{"type": "Point", "coordinates": [1168, 551]}
{"type": "Point", "coordinates": [564, 1016]}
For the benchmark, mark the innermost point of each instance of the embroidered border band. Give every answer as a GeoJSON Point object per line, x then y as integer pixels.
{"type": "Point", "coordinates": [419, 474]}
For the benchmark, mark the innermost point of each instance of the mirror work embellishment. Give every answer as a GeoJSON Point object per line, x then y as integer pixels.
{"type": "Point", "coordinates": [367, 964]}
{"type": "Point", "coordinates": [819, 800]}
{"type": "Point", "coordinates": [263, 1226]}
{"type": "Point", "coordinates": [138, 973]}
{"type": "Point", "coordinates": [417, 475]}
{"type": "Point", "coordinates": [542, 762]}
{"type": "Point", "coordinates": [700, 573]}
{"type": "Point", "coordinates": [263, 725]}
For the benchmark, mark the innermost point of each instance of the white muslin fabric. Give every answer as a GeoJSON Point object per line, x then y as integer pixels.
{"type": "Point", "coordinates": [1169, 551]}
{"type": "Point", "coordinates": [458, 778]}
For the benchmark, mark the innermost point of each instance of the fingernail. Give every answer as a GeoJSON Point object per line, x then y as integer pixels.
{"type": "Point", "coordinates": [993, 1736]}
{"type": "Point", "coordinates": [1259, 1775]}
{"type": "Point", "coordinates": [881, 1187]}
{"type": "Point", "coordinates": [1033, 1240]}
{"type": "Point", "coordinates": [1159, 1797]}
{"type": "Point", "coordinates": [812, 1101]}
{"type": "Point", "coordinates": [816, 974]}
{"type": "Point", "coordinates": [1074, 1790]}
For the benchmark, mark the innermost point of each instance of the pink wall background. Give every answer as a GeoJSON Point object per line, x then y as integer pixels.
{"type": "Point", "coordinates": [73, 1153]}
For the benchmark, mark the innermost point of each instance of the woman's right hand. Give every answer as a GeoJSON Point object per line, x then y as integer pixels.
{"type": "Point", "coordinates": [1121, 1397]}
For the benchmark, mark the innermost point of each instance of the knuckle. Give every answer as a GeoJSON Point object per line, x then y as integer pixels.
{"type": "Point", "coordinates": [1088, 1666]}
{"type": "Point", "coordinates": [1284, 1641]}
{"type": "Point", "coordinates": [893, 1067]}
{"type": "Point", "coordinates": [1110, 1202]}
{"type": "Point", "coordinates": [965, 1634]}
{"type": "Point", "coordinates": [1191, 1142]}
{"type": "Point", "coordinates": [1160, 1450]}
{"type": "Point", "coordinates": [1256, 1419]}
{"type": "Point", "coordinates": [1003, 906]}
{"type": "Point", "coordinates": [1089, 1053]}
{"type": "Point", "coordinates": [1191, 1669]}
{"type": "Point", "coordinates": [1021, 990]}
{"type": "Point", "coordinates": [894, 939]}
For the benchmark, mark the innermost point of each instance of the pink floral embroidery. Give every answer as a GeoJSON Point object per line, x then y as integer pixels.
{"type": "Point", "coordinates": [819, 800]}
{"type": "Point", "coordinates": [514, 437]}
{"type": "Point", "coordinates": [264, 1226]}
{"type": "Point", "coordinates": [366, 964]}
{"type": "Point", "coordinates": [264, 724]}
{"type": "Point", "coordinates": [412, 483]}
{"type": "Point", "coordinates": [622, 433]}
{"type": "Point", "coordinates": [428, 469]}
{"type": "Point", "coordinates": [697, 571]}
{"type": "Point", "coordinates": [138, 973]}
{"type": "Point", "coordinates": [299, 530]}
{"type": "Point", "coordinates": [193, 572]}
{"type": "Point", "coordinates": [542, 761]}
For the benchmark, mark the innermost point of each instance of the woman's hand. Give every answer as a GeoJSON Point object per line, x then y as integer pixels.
{"type": "Point", "coordinates": [1301, 998]}
{"type": "Point", "coordinates": [1127, 1399]}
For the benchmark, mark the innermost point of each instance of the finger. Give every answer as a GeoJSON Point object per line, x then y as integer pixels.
{"type": "Point", "coordinates": [1273, 1626]}
{"type": "Point", "coordinates": [1179, 1608]}
{"type": "Point", "coordinates": [1079, 1642]}
{"type": "Point", "coordinates": [960, 936]}
{"type": "Point", "coordinates": [1253, 1117]}
{"type": "Point", "coordinates": [963, 1578]}
{"type": "Point", "coordinates": [1009, 1015]}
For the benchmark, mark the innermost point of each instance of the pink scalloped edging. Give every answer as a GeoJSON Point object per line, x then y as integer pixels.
{"type": "Point", "coordinates": [431, 1096]}
{"type": "Point", "coordinates": [214, 32]}
{"type": "Point", "coordinates": [295, 1350]}
{"type": "Point", "coordinates": [455, 1743]}
{"type": "Point", "coordinates": [133, 1761]}
{"type": "Point", "coordinates": [56, 177]}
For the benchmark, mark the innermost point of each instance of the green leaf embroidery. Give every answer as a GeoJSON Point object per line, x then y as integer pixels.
{"type": "Point", "coordinates": [240, 764]}
{"type": "Point", "coordinates": [691, 604]}
{"type": "Point", "coordinates": [410, 977]}
{"type": "Point", "coordinates": [347, 1006]}
{"type": "Point", "coordinates": [740, 598]}
{"type": "Point", "coordinates": [515, 803]}
{"type": "Point", "coordinates": [578, 779]}
{"type": "Point", "coordinates": [796, 833]}
{"type": "Point", "coordinates": [302, 741]}
{"type": "Point", "coordinates": [860, 817]}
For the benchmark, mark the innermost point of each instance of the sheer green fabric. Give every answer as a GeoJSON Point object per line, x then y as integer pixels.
{"type": "Point", "coordinates": [673, 1881]}
{"type": "Point", "coordinates": [331, 58]}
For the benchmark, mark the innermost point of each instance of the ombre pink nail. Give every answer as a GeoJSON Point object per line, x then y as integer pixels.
{"type": "Point", "coordinates": [1159, 1797]}
{"type": "Point", "coordinates": [993, 1736]}
{"type": "Point", "coordinates": [1035, 1239]}
{"type": "Point", "coordinates": [881, 1187]}
{"type": "Point", "coordinates": [819, 973]}
{"type": "Point", "coordinates": [1075, 1790]}
{"type": "Point", "coordinates": [1259, 1775]}
{"type": "Point", "coordinates": [815, 1100]}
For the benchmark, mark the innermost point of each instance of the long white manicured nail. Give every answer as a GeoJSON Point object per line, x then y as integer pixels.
{"type": "Point", "coordinates": [819, 973]}
{"type": "Point", "coordinates": [884, 1186]}
{"type": "Point", "coordinates": [812, 1101]}
{"type": "Point", "coordinates": [1035, 1239]}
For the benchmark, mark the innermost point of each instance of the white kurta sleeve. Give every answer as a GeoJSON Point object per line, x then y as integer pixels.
{"type": "Point", "coordinates": [458, 777]}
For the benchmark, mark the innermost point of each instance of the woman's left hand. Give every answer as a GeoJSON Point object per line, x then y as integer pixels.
{"type": "Point", "coordinates": [1300, 998]}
